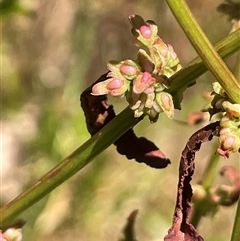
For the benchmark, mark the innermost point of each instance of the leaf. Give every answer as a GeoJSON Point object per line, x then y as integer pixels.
{"type": "Point", "coordinates": [181, 229]}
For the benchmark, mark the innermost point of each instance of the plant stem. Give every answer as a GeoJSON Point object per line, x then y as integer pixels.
{"type": "Point", "coordinates": [205, 49]}
{"type": "Point", "coordinates": [210, 172]}
{"type": "Point", "coordinates": [225, 47]}
{"type": "Point", "coordinates": [236, 226]}
{"type": "Point", "coordinates": [98, 143]}
{"type": "Point", "coordinates": [69, 166]}
{"type": "Point", "coordinates": [201, 208]}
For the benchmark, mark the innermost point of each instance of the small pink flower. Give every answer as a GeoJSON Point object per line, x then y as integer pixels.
{"type": "Point", "coordinates": [228, 143]}
{"type": "Point", "coordinates": [128, 70]}
{"type": "Point", "coordinates": [115, 84]}
{"type": "Point", "coordinates": [146, 78]}
{"type": "Point", "coordinates": [142, 82]}
{"type": "Point", "coordinates": [146, 31]}
{"type": "Point", "coordinates": [112, 86]}
{"type": "Point", "coordinates": [99, 89]}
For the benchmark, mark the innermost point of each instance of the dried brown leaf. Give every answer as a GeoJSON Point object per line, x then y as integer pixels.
{"type": "Point", "coordinates": [182, 229]}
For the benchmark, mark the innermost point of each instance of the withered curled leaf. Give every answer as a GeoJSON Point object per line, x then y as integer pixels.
{"type": "Point", "coordinates": [182, 229]}
{"type": "Point", "coordinates": [98, 113]}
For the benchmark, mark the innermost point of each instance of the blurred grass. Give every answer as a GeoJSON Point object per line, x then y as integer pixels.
{"type": "Point", "coordinates": [48, 59]}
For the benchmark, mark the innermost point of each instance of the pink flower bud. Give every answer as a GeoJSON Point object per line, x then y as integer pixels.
{"type": "Point", "coordinates": [146, 31]}
{"type": "Point", "coordinates": [115, 84]}
{"type": "Point", "coordinates": [128, 70]}
{"type": "Point", "coordinates": [228, 143]}
{"type": "Point", "coordinates": [99, 89]}
{"type": "Point", "coordinates": [146, 78]}
{"type": "Point", "coordinates": [142, 82]}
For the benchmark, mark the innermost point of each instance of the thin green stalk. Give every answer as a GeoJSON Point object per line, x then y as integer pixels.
{"type": "Point", "coordinates": [69, 166]}
{"type": "Point", "coordinates": [225, 47]}
{"type": "Point", "coordinates": [210, 172]}
{"type": "Point", "coordinates": [237, 67]}
{"type": "Point", "coordinates": [205, 49]}
{"type": "Point", "coordinates": [202, 208]}
{"type": "Point", "coordinates": [236, 225]}
{"type": "Point", "coordinates": [85, 153]}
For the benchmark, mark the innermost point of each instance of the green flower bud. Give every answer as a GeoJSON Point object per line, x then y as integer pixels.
{"type": "Point", "coordinates": [129, 69]}
{"type": "Point", "coordinates": [145, 32]}
{"type": "Point", "coordinates": [233, 110]}
{"type": "Point", "coordinates": [145, 61]}
{"type": "Point", "coordinates": [217, 88]}
{"type": "Point", "coordinates": [164, 58]}
{"type": "Point", "coordinates": [229, 133]}
{"type": "Point", "coordinates": [112, 86]}
{"type": "Point", "coordinates": [165, 101]}
{"type": "Point", "coordinates": [12, 234]}
{"type": "Point", "coordinates": [199, 193]}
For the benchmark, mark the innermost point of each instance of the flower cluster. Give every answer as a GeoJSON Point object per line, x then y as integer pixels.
{"type": "Point", "coordinates": [229, 132]}
{"type": "Point", "coordinates": [144, 82]}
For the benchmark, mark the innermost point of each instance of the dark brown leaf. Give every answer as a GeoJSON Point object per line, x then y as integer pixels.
{"type": "Point", "coordinates": [181, 229]}
{"type": "Point", "coordinates": [98, 113]}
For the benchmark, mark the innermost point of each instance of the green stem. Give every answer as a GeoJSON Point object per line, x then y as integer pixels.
{"type": "Point", "coordinates": [236, 226]}
{"type": "Point", "coordinates": [210, 172]}
{"type": "Point", "coordinates": [69, 166]}
{"type": "Point", "coordinates": [197, 214]}
{"type": "Point", "coordinates": [85, 153]}
{"type": "Point", "coordinates": [201, 208]}
{"type": "Point", "coordinates": [237, 68]}
{"type": "Point", "coordinates": [205, 49]}
{"type": "Point", "coordinates": [225, 47]}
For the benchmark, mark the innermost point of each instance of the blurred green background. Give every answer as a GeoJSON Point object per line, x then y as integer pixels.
{"type": "Point", "coordinates": [50, 52]}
